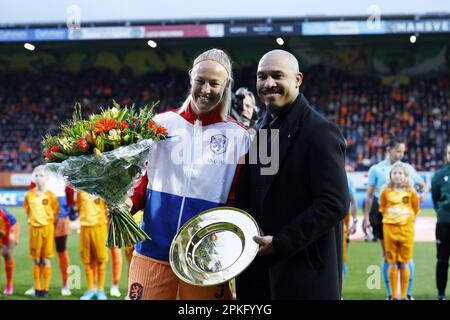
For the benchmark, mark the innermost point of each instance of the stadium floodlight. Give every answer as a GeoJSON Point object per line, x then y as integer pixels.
{"type": "Point", "coordinates": [280, 41]}
{"type": "Point", "coordinates": [152, 44]}
{"type": "Point", "coordinates": [413, 39]}
{"type": "Point", "coordinates": [29, 46]}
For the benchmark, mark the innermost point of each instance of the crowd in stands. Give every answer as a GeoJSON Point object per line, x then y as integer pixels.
{"type": "Point", "coordinates": [366, 110]}
{"type": "Point", "coordinates": [364, 107]}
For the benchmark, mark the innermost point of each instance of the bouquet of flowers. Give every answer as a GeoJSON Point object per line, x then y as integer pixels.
{"type": "Point", "coordinates": [104, 156]}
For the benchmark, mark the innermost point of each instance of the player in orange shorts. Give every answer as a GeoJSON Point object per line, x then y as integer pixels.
{"type": "Point", "coordinates": [64, 194]}
{"type": "Point", "coordinates": [399, 204]}
{"type": "Point", "coordinates": [171, 194]}
{"type": "Point", "coordinates": [93, 250]}
{"type": "Point", "coordinates": [41, 207]}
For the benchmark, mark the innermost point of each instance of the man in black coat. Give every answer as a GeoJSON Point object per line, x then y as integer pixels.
{"type": "Point", "coordinates": [298, 202]}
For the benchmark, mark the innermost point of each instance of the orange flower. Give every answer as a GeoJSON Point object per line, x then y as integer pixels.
{"type": "Point", "coordinates": [104, 125]}
{"type": "Point", "coordinates": [90, 139]}
{"type": "Point", "coordinates": [161, 130]}
{"type": "Point", "coordinates": [152, 125]}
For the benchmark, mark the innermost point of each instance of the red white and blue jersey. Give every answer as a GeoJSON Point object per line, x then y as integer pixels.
{"type": "Point", "coordinates": [5, 227]}
{"type": "Point", "coordinates": [12, 219]}
{"type": "Point", "coordinates": [191, 171]}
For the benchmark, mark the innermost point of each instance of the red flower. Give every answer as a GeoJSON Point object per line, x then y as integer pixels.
{"type": "Point", "coordinates": [82, 145]}
{"type": "Point", "coordinates": [49, 153]}
{"type": "Point", "coordinates": [123, 125]}
{"type": "Point", "coordinates": [104, 125]}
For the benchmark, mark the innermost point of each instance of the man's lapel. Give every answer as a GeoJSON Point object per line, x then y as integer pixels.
{"type": "Point", "coordinates": [286, 134]}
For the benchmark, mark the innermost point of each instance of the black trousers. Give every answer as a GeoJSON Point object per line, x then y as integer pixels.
{"type": "Point", "coordinates": [443, 255]}
{"type": "Point", "coordinates": [376, 219]}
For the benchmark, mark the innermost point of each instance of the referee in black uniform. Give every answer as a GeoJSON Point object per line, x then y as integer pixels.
{"type": "Point", "coordinates": [440, 188]}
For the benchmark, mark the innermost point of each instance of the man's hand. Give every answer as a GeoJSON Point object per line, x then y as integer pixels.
{"type": "Point", "coordinates": [265, 243]}
{"type": "Point", "coordinates": [366, 226]}
{"type": "Point", "coordinates": [352, 229]}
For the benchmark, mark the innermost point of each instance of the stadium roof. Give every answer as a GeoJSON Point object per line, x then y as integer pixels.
{"type": "Point", "coordinates": [31, 12]}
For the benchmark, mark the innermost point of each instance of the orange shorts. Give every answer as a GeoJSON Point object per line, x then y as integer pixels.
{"type": "Point", "coordinates": [42, 242]}
{"type": "Point", "coordinates": [151, 279]}
{"type": "Point", "coordinates": [398, 242]}
{"type": "Point", "coordinates": [93, 244]}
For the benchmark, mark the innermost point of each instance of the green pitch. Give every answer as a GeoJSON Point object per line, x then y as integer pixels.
{"type": "Point", "coordinates": [364, 280]}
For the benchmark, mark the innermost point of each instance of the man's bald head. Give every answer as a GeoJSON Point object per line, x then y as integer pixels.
{"type": "Point", "coordinates": [283, 57]}
{"type": "Point", "coordinates": [278, 79]}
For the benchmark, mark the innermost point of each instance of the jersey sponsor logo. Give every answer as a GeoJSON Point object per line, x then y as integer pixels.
{"type": "Point", "coordinates": [136, 290]}
{"type": "Point", "coordinates": [218, 143]}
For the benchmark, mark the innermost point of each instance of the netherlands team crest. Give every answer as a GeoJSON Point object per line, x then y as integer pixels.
{"type": "Point", "coordinates": [218, 143]}
{"type": "Point", "coordinates": [136, 290]}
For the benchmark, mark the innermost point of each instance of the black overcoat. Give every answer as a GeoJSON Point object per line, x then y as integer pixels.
{"type": "Point", "coordinates": [302, 206]}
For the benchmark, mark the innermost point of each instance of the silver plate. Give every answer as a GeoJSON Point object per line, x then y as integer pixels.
{"type": "Point", "coordinates": [214, 246]}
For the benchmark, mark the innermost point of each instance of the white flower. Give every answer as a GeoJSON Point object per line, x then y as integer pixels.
{"type": "Point", "coordinates": [114, 135]}
{"type": "Point", "coordinates": [114, 112]}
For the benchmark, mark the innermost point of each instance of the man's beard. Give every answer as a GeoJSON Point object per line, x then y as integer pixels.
{"type": "Point", "coordinates": [271, 108]}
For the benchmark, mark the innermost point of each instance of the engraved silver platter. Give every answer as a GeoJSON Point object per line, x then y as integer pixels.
{"type": "Point", "coordinates": [214, 246]}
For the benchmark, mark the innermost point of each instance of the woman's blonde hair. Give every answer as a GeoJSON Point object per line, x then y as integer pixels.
{"type": "Point", "coordinates": [222, 58]}
{"type": "Point", "coordinates": [405, 184]}
{"type": "Point", "coordinates": [41, 168]}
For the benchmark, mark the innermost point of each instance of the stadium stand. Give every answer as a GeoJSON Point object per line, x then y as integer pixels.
{"type": "Point", "coordinates": [365, 108]}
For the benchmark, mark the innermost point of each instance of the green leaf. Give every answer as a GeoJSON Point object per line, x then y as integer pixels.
{"type": "Point", "coordinates": [61, 155]}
